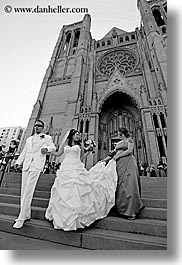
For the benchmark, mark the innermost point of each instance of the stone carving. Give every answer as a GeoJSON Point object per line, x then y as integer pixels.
{"type": "Point", "coordinates": [124, 60]}
{"type": "Point", "coordinates": [161, 86]}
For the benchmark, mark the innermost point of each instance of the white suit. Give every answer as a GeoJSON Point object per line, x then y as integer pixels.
{"type": "Point", "coordinates": [33, 163]}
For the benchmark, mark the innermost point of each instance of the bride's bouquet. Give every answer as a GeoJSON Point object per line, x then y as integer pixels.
{"type": "Point", "coordinates": [89, 145]}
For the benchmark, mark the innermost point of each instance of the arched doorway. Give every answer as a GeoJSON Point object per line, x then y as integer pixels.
{"type": "Point", "coordinates": [120, 110]}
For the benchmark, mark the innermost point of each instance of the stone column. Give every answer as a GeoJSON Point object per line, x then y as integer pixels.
{"type": "Point", "coordinates": [145, 129]}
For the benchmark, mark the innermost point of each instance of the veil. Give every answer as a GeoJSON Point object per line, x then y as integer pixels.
{"type": "Point", "coordinates": [64, 139]}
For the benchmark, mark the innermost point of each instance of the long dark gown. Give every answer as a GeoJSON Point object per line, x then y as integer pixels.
{"type": "Point", "coordinates": [128, 201]}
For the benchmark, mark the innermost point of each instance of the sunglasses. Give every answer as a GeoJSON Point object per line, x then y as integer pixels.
{"type": "Point", "coordinates": [38, 125]}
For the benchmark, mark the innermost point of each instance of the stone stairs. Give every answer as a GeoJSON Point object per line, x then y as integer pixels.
{"type": "Point", "coordinates": [148, 232]}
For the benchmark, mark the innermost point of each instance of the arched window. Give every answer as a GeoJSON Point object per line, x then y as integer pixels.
{"type": "Point", "coordinates": [68, 37]}
{"type": "Point", "coordinates": [111, 127]}
{"type": "Point", "coordinates": [121, 39]}
{"type": "Point", "coordinates": [163, 122]}
{"type": "Point", "coordinates": [133, 37]}
{"type": "Point", "coordinates": [103, 43]}
{"type": "Point", "coordinates": [98, 45]}
{"type": "Point", "coordinates": [158, 18]}
{"type": "Point", "coordinates": [155, 121]}
{"type": "Point", "coordinates": [115, 125]}
{"type": "Point", "coordinates": [86, 126]}
{"type": "Point", "coordinates": [161, 146]}
{"type": "Point", "coordinates": [76, 39]}
{"type": "Point", "coordinates": [120, 120]}
{"type": "Point", "coordinates": [164, 29]}
{"type": "Point", "coordinates": [127, 38]}
{"type": "Point", "coordinates": [81, 126]}
{"type": "Point", "coordinates": [108, 42]}
{"type": "Point", "coordinates": [165, 8]}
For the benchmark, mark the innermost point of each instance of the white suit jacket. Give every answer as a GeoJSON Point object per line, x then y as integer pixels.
{"type": "Point", "coordinates": [32, 156]}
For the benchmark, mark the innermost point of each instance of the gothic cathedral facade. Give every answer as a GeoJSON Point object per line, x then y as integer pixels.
{"type": "Point", "coordinates": [98, 86]}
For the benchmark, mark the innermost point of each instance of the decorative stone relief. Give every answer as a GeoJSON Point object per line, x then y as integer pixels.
{"type": "Point", "coordinates": [118, 82]}
{"type": "Point", "coordinates": [124, 60]}
{"type": "Point", "coordinates": [161, 86]}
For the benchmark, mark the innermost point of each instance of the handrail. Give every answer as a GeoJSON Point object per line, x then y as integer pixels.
{"type": "Point", "coordinates": [4, 162]}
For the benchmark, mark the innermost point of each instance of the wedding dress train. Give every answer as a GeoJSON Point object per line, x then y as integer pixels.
{"type": "Point", "coordinates": [80, 196]}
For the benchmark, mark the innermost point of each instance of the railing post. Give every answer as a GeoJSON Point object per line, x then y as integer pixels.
{"type": "Point", "coordinates": [6, 159]}
{"type": "Point", "coordinates": [3, 172]}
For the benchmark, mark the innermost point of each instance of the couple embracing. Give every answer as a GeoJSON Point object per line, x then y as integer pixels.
{"type": "Point", "coordinates": [80, 196]}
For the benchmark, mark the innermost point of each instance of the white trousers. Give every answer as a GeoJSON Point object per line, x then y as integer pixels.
{"type": "Point", "coordinates": [29, 181]}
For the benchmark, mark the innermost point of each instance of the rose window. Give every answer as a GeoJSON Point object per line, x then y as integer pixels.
{"type": "Point", "coordinates": [124, 60]}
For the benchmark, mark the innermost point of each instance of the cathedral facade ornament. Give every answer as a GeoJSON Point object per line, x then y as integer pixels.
{"type": "Point", "coordinates": [124, 60]}
{"type": "Point", "coordinates": [118, 82]}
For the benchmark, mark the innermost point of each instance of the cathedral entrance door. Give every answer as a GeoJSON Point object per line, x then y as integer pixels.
{"type": "Point", "coordinates": [120, 111]}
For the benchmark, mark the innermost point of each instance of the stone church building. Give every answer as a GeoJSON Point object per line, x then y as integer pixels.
{"type": "Point", "coordinates": [98, 86]}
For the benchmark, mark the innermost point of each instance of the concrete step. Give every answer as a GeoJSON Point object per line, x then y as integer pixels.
{"type": "Point", "coordinates": [47, 184]}
{"type": "Point", "coordinates": [153, 194]}
{"type": "Point", "coordinates": [14, 198]}
{"type": "Point", "coordinates": [150, 227]}
{"type": "Point", "coordinates": [39, 212]}
{"type": "Point", "coordinates": [13, 209]}
{"type": "Point", "coordinates": [37, 194]}
{"type": "Point", "coordinates": [147, 213]}
{"type": "Point", "coordinates": [49, 176]}
{"type": "Point", "coordinates": [141, 226]}
{"type": "Point", "coordinates": [149, 231]}
{"type": "Point", "coordinates": [13, 175]}
{"type": "Point", "coordinates": [44, 191]}
{"type": "Point", "coordinates": [154, 213]}
{"type": "Point", "coordinates": [151, 187]}
{"type": "Point", "coordinates": [15, 185]}
{"type": "Point", "coordinates": [17, 180]}
{"type": "Point", "coordinates": [152, 181]}
{"type": "Point", "coordinates": [9, 241]}
{"type": "Point", "coordinates": [91, 238]}
{"type": "Point", "coordinates": [154, 203]}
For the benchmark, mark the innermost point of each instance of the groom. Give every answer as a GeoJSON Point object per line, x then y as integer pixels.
{"type": "Point", "coordinates": [33, 159]}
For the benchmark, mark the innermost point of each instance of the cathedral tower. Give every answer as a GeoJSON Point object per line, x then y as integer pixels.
{"type": "Point", "coordinates": [152, 42]}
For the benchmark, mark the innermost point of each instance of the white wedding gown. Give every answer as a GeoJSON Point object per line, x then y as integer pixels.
{"type": "Point", "coordinates": [78, 196]}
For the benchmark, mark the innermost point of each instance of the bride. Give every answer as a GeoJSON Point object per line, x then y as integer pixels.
{"type": "Point", "coordinates": [80, 196]}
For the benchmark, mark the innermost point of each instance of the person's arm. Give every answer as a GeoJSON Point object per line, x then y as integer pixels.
{"type": "Point", "coordinates": [59, 152]}
{"type": "Point", "coordinates": [84, 154]}
{"type": "Point", "coordinates": [50, 145]}
{"type": "Point", "coordinates": [21, 157]}
{"type": "Point", "coordinates": [126, 152]}
{"type": "Point", "coordinates": [118, 146]}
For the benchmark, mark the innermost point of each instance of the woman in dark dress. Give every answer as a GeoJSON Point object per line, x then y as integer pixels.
{"type": "Point", "coordinates": [127, 201]}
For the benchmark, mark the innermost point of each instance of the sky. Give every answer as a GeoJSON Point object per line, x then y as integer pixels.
{"type": "Point", "coordinates": [28, 40]}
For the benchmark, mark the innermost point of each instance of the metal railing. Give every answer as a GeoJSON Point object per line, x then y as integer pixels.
{"type": "Point", "coordinates": [5, 165]}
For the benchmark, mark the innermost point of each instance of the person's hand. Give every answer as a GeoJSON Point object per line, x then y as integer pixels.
{"type": "Point", "coordinates": [16, 167]}
{"type": "Point", "coordinates": [106, 159]}
{"type": "Point", "coordinates": [44, 151]}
